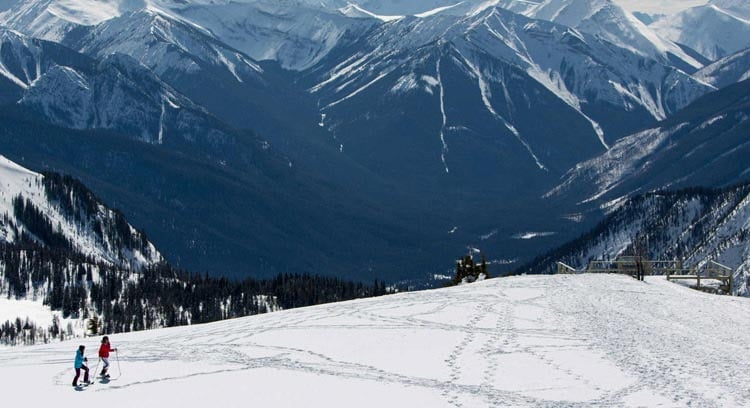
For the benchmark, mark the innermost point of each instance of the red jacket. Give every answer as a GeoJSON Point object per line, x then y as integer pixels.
{"type": "Point", "coordinates": [104, 350]}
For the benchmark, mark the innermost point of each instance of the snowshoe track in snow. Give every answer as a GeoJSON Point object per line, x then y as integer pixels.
{"type": "Point", "coordinates": [541, 341]}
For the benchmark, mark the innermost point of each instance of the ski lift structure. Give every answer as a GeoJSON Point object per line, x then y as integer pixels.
{"type": "Point", "coordinates": [638, 267]}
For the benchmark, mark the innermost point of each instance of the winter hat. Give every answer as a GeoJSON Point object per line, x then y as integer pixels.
{"type": "Point", "coordinates": [81, 347]}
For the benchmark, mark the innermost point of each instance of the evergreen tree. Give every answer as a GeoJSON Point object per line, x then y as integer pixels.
{"type": "Point", "coordinates": [94, 326]}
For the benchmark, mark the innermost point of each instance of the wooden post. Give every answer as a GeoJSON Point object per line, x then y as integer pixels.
{"type": "Point", "coordinates": [639, 267]}
{"type": "Point", "coordinates": [699, 278]}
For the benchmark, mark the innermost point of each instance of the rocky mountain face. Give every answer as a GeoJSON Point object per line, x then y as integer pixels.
{"type": "Point", "coordinates": [115, 92]}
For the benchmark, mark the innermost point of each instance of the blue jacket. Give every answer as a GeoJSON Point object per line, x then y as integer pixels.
{"type": "Point", "coordinates": [79, 359]}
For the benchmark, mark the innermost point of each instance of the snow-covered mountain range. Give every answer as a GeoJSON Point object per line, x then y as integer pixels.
{"type": "Point", "coordinates": [585, 73]}
{"type": "Point", "coordinates": [399, 105]}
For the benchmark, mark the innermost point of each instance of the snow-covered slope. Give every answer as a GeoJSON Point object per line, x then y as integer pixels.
{"type": "Point", "coordinates": [704, 145]}
{"type": "Point", "coordinates": [590, 340]}
{"type": "Point", "coordinates": [728, 70]}
{"type": "Point", "coordinates": [88, 230]}
{"type": "Point", "coordinates": [740, 8]}
{"type": "Point", "coordinates": [609, 21]}
{"type": "Point", "coordinates": [711, 30]}
{"type": "Point", "coordinates": [163, 43]}
{"type": "Point", "coordinates": [295, 35]}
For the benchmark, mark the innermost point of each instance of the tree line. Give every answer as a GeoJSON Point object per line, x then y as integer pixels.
{"type": "Point", "coordinates": [114, 296]}
{"type": "Point", "coordinates": [115, 300]}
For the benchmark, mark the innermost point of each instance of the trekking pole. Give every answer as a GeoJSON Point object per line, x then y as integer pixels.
{"type": "Point", "coordinates": [119, 371]}
{"type": "Point", "coordinates": [96, 369]}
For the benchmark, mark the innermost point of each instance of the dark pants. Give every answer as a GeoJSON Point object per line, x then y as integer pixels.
{"type": "Point", "coordinates": [78, 374]}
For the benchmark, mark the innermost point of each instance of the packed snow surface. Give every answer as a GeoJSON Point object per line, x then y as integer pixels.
{"type": "Point", "coordinates": [566, 340]}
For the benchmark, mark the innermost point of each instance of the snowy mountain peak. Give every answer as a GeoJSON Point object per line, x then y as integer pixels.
{"type": "Point", "coordinates": [355, 11]}
{"type": "Point", "coordinates": [711, 30]}
{"type": "Point", "coordinates": [53, 19]}
{"type": "Point", "coordinates": [613, 23]}
{"type": "Point", "coordinates": [162, 43]}
{"type": "Point", "coordinates": [570, 12]}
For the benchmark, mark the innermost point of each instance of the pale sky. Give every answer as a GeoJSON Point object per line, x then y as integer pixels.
{"type": "Point", "coordinates": [659, 6]}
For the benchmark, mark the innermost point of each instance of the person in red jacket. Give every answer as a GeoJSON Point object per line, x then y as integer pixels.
{"type": "Point", "coordinates": [104, 351]}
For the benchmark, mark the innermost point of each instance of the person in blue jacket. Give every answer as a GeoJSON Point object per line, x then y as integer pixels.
{"type": "Point", "coordinates": [80, 359]}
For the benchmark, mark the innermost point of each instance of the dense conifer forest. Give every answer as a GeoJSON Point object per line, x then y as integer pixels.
{"type": "Point", "coordinates": [114, 300]}
{"type": "Point", "coordinates": [114, 296]}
